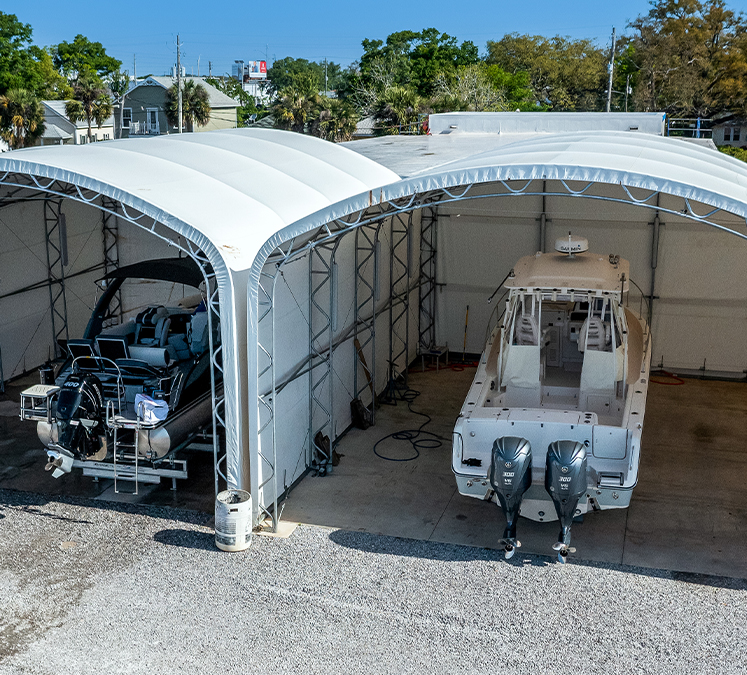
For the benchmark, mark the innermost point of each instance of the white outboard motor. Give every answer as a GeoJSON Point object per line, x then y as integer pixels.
{"type": "Point", "coordinates": [511, 476]}
{"type": "Point", "coordinates": [565, 480]}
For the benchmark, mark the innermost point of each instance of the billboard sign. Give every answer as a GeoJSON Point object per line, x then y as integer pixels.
{"type": "Point", "coordinates": [255, 70]}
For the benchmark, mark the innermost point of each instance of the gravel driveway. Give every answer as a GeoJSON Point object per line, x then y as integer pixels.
{"type": "Point", "coordinates": [89, 587]}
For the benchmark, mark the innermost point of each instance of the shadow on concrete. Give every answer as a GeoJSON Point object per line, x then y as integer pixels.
{"type": "Point", "coordinates": [202, 541]}
{"type": "Point", "coordinates": [413, 548]}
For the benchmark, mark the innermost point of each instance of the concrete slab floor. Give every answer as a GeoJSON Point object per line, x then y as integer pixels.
{"type": "Point", "coordinates": [688, 512]}
{"type": "Point", "coordinates": [22, 463]}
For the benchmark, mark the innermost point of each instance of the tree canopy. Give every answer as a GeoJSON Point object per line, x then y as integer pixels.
{"type": "Point", "coordinates": [83, 54]}
{"type": "Point", "coordinates": [195, 105]}
{"type": "Point", "coordinates": [690, 58]}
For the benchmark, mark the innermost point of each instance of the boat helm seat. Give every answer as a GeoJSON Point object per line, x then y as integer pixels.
{"type": "Point", "coordinates": [594, 334]}
{"type": "Point", "coordinates": [527, 330]}
{"type": "Point", "coordinates": [152, 327]}
{"type": "Point", "coordinates": [197, 335]}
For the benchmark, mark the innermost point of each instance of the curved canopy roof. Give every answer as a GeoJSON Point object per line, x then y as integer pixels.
{"type": "Point", "coordinates": [235, 187]}
{"type": "Point", "coordinates": [669, 165]}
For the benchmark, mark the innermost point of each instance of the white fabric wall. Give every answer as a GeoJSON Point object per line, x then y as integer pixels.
{"type": "Point", "coordinates": [291, 348]}
{"type": "Point", "coordinates": [701, 277]}
{"type": "Point", "coordinates": [26, 338]}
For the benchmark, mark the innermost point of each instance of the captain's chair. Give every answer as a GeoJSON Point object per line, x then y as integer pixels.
{"type": "Point", "coordinates": [153, 327]}
{"type": "Point", "coordinates": [527, 330]}
{"type": "Point", "coordinates": [594, 334]}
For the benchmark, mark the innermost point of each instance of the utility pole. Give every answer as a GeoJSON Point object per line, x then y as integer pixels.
{"type": "Point", "coordinates": [210, 68]}
{"type": "Point", "coordinates": [611, 69]}
{"type": "Point", "coordinates": [198, 66]}
{"type": "Point", "coordinates": [179, 79]}
{"type": "Point", "coordinates": [134, 67]}
{"type": "Point", "coordinates": [326, 88]}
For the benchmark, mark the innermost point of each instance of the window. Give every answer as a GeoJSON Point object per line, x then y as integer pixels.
{"type": "Point", "coordinates": [727, 134]}
{"type": "Point", "coordinates": [735, 134]}
{"type": "Point", "coordinates": [82, 140]}
{"type": "Point", "coordinates": [126, 118]}
{"type": "Point", "coordinates": [106, 137]}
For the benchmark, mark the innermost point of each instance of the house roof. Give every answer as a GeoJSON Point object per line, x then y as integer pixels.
{"type": "Point", "coordinates": [52, 131]}
{"type": "Point", "coordinates": [216, 98]}
{"type": "Point", "coordinates": [58, 108]}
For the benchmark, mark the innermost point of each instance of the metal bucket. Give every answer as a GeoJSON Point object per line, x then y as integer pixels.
{"type": "Point", "coordinates": [233, 520]}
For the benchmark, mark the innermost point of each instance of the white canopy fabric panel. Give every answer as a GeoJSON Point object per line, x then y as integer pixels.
{"type": "Point", "coordinates": [227, 192]}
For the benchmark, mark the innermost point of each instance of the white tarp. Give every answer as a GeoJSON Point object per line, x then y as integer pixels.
{"type": "Point", "coordinates": [239, 194]}
{"type": "Point", "coordinates": [227, 192]}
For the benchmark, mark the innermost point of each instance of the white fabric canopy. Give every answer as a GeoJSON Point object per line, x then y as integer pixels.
{"type": "Point", "coordinates": [226, 191]}
{"type": "Point", "coordinates": [238, 194]}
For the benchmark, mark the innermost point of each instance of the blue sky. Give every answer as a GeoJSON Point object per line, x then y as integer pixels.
{"type": "Point", "coordinates": [311, 30]}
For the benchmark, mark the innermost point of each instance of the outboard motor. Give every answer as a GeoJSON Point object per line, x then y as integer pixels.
{"type": "Point", "coordinates": [80, 418]}
{"type": "Point", "coordinates": [511, 476]}
{"type": "Point", "coordinates": [565, 480]}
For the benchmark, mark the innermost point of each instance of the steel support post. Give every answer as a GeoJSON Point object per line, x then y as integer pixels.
{"type": "Point", "coordinates": [427, 299]}
{"type": "Point", "coordinates": [55, 232]}
{"type": "Point", "coordinates": [399, 293]}
{"type": "Point", "coordinates": [110, 242]}
{"type": "Point", "coordinates": [366, 283]}
{"type": "Point", "coordinates": [266, 318]}
{"type": "Point", "coordinates": [322, 296]}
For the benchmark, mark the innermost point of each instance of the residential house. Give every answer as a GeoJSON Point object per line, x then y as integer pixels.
{"type": "Point", "coordinates": [59, 130]}
{"type": "Point", "coordinates": [145, 104]}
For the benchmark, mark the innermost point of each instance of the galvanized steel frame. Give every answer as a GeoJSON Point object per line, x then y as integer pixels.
{"type": "Point", "coordinates": [54, 189]}
{"type": "Point", "coordinates": [371, 219]}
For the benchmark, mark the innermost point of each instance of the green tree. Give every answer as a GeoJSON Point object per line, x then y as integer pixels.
{"type": "Point", "coordinates": [119, 85]}
{"type": "Point", "coordinates": [283, 71]}
{"type": "Point", "coordinates": [15, 57]}
{"type": "Point", "coordinates": [232, 87]}
{"type": "Point", "coordinates": [482, 87]}
{"type": "Point", "coordinates": [564, 74]}
{"type": "Point", "coordinates": [82, 54]}
{"type": "Point", "coordinates": [91, 101]}
{"type": "Point", "coordinates": [21, 118]}
{"type": "Point", "coordinates": [333, 120]}
{"type": "Point", "coordinates": [26, 66]}
{"type": "Point", "coordinates": [397, 110]}
{"type": "Point", "coordinates": [297, 103]}
{"type": "Point", "coordinates": [195, 105]}
{"type": "Point", "coordinates": [690, 58]}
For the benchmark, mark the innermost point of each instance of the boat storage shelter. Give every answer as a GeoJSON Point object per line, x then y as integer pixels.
{"type": "Point", "coordinates": [330, 268]}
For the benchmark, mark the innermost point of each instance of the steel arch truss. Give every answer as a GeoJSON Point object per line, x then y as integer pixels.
{"type": "Point", "coordinates": [321, 244]}
{"type": "Point", "coordinates": [55, 191]}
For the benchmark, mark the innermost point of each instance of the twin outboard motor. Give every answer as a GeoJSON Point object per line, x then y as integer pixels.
{"type": "Point", "coordinates": [565, 480]}
{"type": "Point", "coordinates": [511, 476]}
{"type": "Point", "coordinates": [80, 416]}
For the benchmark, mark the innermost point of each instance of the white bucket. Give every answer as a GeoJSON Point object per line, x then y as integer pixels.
{"type": "Point", "coordinates": [233, 520]}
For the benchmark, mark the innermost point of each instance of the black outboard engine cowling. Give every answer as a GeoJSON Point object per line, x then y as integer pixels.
{"type": "Point", "coordinates": [565, 480]}
{"type": "Point", "coordinates": [80, 415]}
{"type": "Point", "coordinates": [511, 476]}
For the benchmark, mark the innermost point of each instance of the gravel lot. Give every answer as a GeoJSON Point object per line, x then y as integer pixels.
{"type": "Point", "coordinates": [87, 587]}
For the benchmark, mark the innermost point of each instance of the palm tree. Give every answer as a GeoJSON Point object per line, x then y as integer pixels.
{"type": "Point", "coordinates": [21, 118]}
{"type": "Point", "coordinates": [396, 108]}
{"type": "Point", "coordinates": [335, 120]}
{"type": "Point", "coordinates": [119, 85]}
{"type": "Point", "coordinates": [91, 101]}
{"type": "Point", "coordinates": [297, 103]}
{"type": "Point", "coordinates": [195, 105]}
